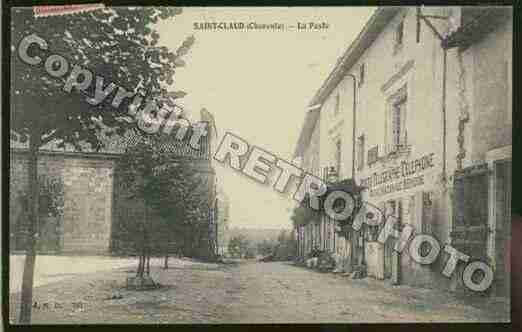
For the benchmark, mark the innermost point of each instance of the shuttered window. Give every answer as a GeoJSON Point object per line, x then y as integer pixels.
{"type": "Point", "coordinates": [471, 199]}
{"type": "Point", "coordinates": [396, 134]}
{"type": "Point", "coordinates": [470, 211]}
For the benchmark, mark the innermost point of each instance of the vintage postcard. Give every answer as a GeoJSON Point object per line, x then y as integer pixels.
{"type": "Point", "coordinates": [224, 165]}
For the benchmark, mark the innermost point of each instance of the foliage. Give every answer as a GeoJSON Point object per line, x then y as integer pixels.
{"type": "Point", "coordinates": [250, 252]}
{"type": "Point", "coordinates": [238, 246]}
{"type": "Point", "coordinates": [117, 43]}
{"type": "Point", "coordinates": [303, 213]}
{"type": "Point", "coordinates": [171, 189]}
{"type": "Point", "coordinates": [282, 250]}
{"type": "Point", "coordinates": [266, 247]}
{"type": "Point", "coordinates": [286, 248]}
{"type": "Point", "coordinates": [325, 261]}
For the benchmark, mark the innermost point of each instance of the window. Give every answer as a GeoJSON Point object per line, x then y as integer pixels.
{"type": "Point", "coordinates": [337, 104]}
{"type": "Point", "coordinates": [397, 137]}
{"type": "Point", "coordinates": [360, 152]}
{"type": "Point", "coordinates": [471, 210]}
{"type": "Point", "coordinates": [471, 198]}
{"type": "Point", "coordinates": [397, 110]}
{"type": "Point", "coordinates": [338, 156]}
{"type": "Point", "coordinates": [373, 155]}
{"type": "Point", "coordinates": [399, 36]}
{"type": "Point", "coordinates": [361, 74]}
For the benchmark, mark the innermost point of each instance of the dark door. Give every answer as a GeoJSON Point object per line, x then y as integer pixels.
{"type": "Point", "coordinates": [390, 210]}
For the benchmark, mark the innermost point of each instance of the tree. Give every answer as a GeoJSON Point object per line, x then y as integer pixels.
{"type": "Point", "coordinates": [181, 202]}
{"type": "Point", "coordinates": [119, 44]}
{"type": "Point", "coordinates": [136, 169]}
{"type": "Point", "coordinates": [266, 247]}
{"type": "Point", "coordinates": [238, 245]}
{"type": "Point", "coordinates": [172, 191]}
{"type": "Point", "coordinates": [304, 213]}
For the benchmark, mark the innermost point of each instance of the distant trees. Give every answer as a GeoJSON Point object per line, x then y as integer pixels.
{"type": "Point", "coordinates": [303, 213]}
{"type": "Point", "coordinates": [238, 246]}
{"type": "Point", "coordinates": [266, 247]}
{"type": "Point", "coordinates": [281, 250]}
{"type": "Point", "coordinates": [286, 246]}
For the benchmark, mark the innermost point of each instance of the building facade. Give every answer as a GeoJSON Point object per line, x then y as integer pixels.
{"type": "Point", "coordinates": [222, 210]}
{"type": "Point", "coordinates": [418, 111]}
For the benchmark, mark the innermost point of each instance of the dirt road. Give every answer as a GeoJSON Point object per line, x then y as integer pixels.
{"type": "Point", "coordinates": [245, 293]}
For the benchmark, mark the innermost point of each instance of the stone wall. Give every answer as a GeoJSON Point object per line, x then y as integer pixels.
{"type": "Point", "coordinates": [49, 167]}
{"type": "Point", "coordinates": [84, 225]}
{"type": "Point", "coordinates": [97, 210]}
{"type": "Point", "coordinates": [88, 205]}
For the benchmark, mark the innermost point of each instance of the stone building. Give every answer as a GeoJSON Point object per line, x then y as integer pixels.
{"type": "Point", "coordinates": [92, 203]}
{"type": "Point", "coordinates": [418, 111]}
{"type": "Point", "coordinates": [222, 210]}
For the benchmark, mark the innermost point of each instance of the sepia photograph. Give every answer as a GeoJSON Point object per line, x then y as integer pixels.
{"type": "Point", "coordinates": [257, 165]}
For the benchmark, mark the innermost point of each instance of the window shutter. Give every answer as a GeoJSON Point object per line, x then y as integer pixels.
{"type": "Point", "coordinates": [427, 216]}
{"type": "Point", "coordinates": [470, 210]}
{"type": "Point", "coordinates": [373, 155]}
{"type": "Point", "coordinates": [458, 202]}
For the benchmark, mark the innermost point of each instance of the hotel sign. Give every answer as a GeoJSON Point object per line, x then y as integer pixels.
{"type": "Point", "coordinates": [404, 176]}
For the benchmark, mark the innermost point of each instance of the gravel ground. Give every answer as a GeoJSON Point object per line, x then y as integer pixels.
{"type": "Point", "coordinates": [249, 292]}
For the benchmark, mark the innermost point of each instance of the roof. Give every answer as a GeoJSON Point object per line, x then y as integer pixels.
{"type": "Point", "coordinates": [116, 145]}
{"type": "Point", "coordinates": [380, 18]}
{"type": "Point", "coordinates": [371, 30]}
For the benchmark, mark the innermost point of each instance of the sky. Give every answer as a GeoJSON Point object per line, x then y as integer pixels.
{"type": "Point", "coordinates": [257, 84]}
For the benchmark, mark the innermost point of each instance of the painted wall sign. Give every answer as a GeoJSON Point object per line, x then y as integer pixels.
{"type": "Point", "coordinates": [397, 186]}
{"type": "Point", "coordinates": [405, 169]}
{"type": "Point", "coordinates": [398, 178]}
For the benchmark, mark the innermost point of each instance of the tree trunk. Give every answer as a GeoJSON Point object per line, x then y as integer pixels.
{"type": "Point", "coordinates": [147, 253]}
{"type": "Point", "coordinates": [146, 250]}
{"type": "Point", "coordinates": [30, 253]}
{"type": "Point", "coordinates": [141, 264]}
{"type": "Point", "coordinates": [167, 248]}
{"type": "Point", "coordinates": [142, 270]}
{"type": "Point", "coordinates": [166, 261]}
{"type": "Point", "coordinates": [187, 242]}
{"type": "Point", "coordinates": [148, 262]}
